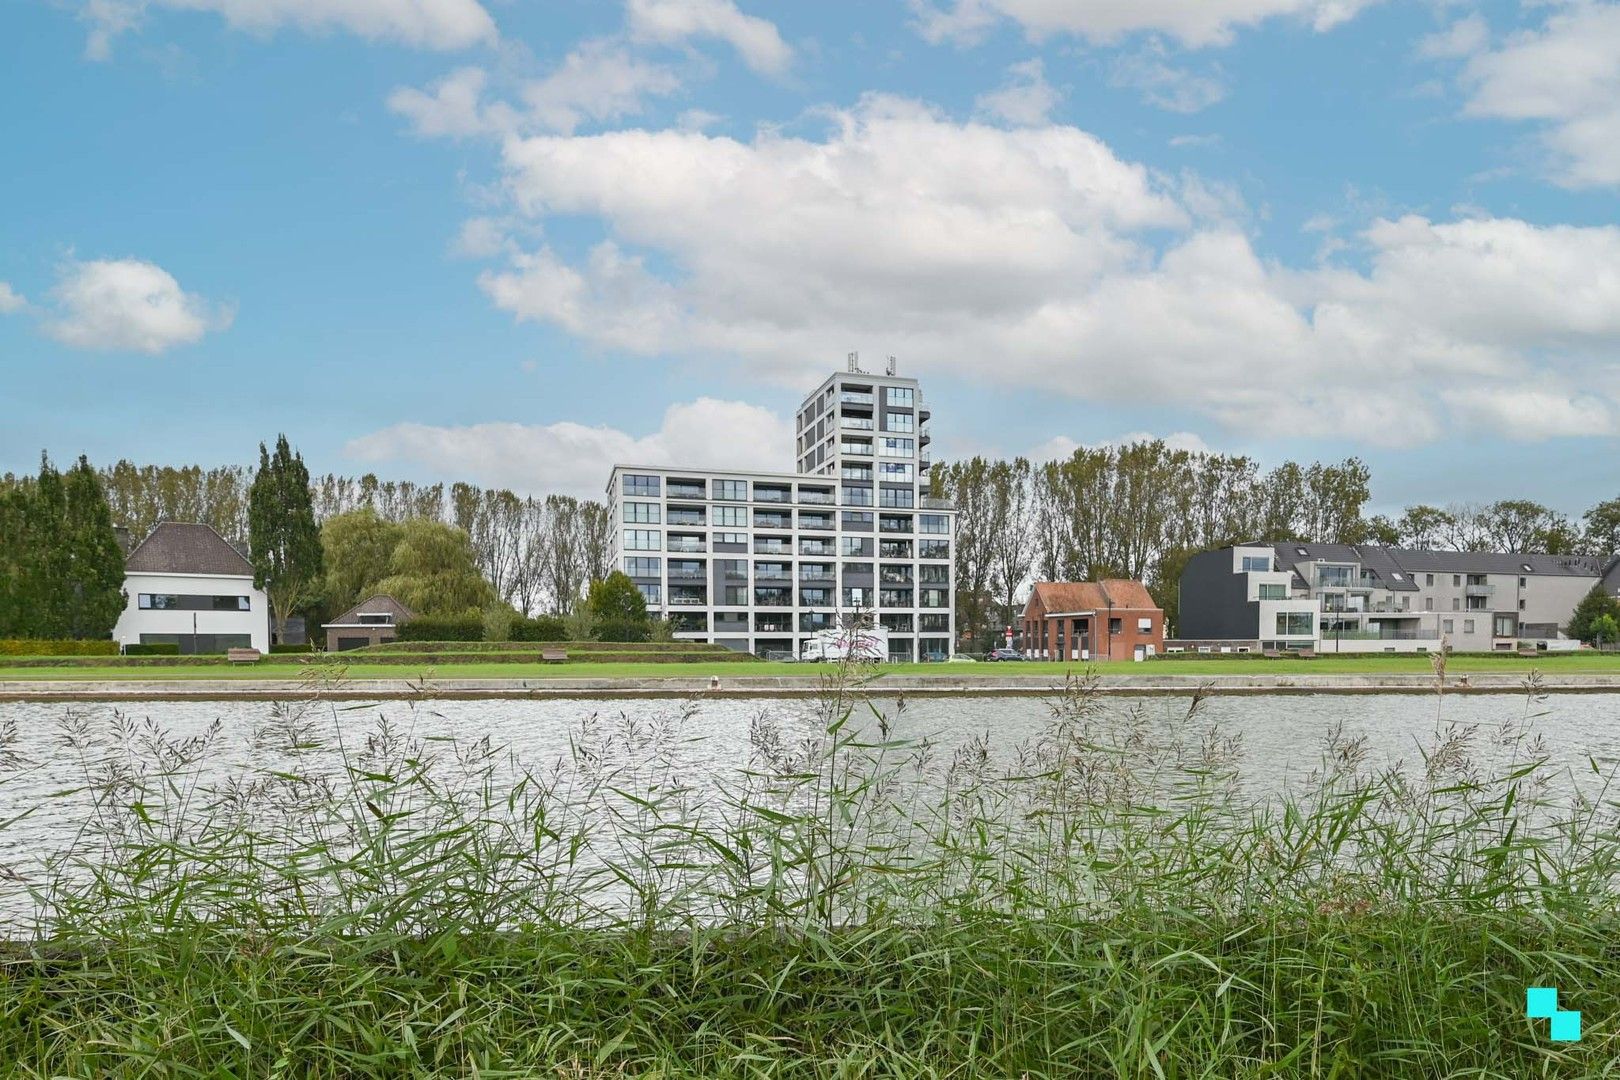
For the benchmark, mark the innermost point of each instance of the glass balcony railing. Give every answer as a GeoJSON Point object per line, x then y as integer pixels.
{"type": "Point", "coordinates": [772, 495]}
{"type": "Point", "coordinates": [852, 397]}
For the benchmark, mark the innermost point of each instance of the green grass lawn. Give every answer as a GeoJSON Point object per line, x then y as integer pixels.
{"type": "Point", "coordinates": [1550, 665]}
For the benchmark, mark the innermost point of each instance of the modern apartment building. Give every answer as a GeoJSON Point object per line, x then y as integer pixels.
{"type": "Point", "coordinates": [1350, 598]}
{"type": "Point", "coordinates": [760, 561]}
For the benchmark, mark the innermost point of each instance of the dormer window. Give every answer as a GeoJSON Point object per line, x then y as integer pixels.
{"type": "Point", "coordinates": [382, 618]}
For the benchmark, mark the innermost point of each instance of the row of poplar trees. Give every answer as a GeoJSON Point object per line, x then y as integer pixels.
{"type": "Point", "coordinates": [62, 568]}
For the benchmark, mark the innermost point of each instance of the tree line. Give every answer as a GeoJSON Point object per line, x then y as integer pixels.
{"type": "Point", "coordinates": [1141, 510]}
{"type": "Point", "coordinates": [537, 552]}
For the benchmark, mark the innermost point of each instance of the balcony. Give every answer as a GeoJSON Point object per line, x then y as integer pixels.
{"type": "Point", "coordinates": [808, 574]}
{"type": "Point", "coordinates": [772, 521]}
{"type": "Point", "coordinates": [1380, 635]}
{"type": "Point", "coordinates": [688, 575]}
{"type": "Point", "coordinates": [815, 547]}
{"type": "Point", "coordinates": [855, 449]}
{"type": "Point", "coordinates": [772, 495]}
{"type": "Point", "coordinates": [930, 503]}
{"type": "Point", "coordinates": [1482, 591]}
{"type": "Point", "coordinates": [856, 423]}
{"type": "Point", "coordinates": [688, 546]}
{"type": "Point", "coordinates": [815, 521]}
{"type": "Point", "coordinates": [686, 491]}
{"type": "Point", "coordinates": [851, 397]}
{"type": "Point", "coordinates": [685, 517]}
{"type": "Point", "coordinates": [773, 598]}
{"type": "Point", "coordinates": [688, 601]}
{"type": "Point", "coordinates": [817, 498]}
{"type": "Point", "coordinates": [772, 547]}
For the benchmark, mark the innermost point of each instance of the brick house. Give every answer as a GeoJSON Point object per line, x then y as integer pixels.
{"type": "Point", "coordinates": [375, 621]}
{"type": "Point", "coordinates": [1092, 620]}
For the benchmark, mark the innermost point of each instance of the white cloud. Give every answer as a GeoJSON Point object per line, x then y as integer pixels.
{"type": "Point", "coordinates": [454, 107]}
{"type": "Point", "coordinates": [428, 24]}
{"type": "Point", "coordinates": [1192, 22]}
{"type": "Point", "coordinates": [1164, 85]}
{"type": "Point", "coordinates": [1465, 37]}
{"type": "Point", "coordinates": [1036, 258]}
{"type": "Point", "coordinates": [596, 81]}
{"type": "Point", "coordinates": [1528, 415]}
{"type": "Point", "coordinates": [480, 238]}
{"type": "Point", "coordinates": [672, 22]}
{"type": "Point", "coordinates": [573, 459]}
{"type": "Point", "coordinates": [1567, 76]}
{"type": "Point", "coordinates": [127, 304]}
{"type": "Point", "coordinates": [1026, 98]}
{"type": "Point", "coordinates": [10, 300]}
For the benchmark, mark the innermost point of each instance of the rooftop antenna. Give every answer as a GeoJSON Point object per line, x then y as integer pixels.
{"type": "Point", "coordinates": [889, 368]}
{"type": "Point", "coordinates": [855, 363]}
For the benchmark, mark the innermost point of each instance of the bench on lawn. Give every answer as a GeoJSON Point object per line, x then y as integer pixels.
{"type": "Point", "coordinates": [553, 655]}
{"type": "Point", "coordinates": [242, 656]}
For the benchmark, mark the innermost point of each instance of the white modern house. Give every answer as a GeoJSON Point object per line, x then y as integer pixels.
{"type": "Point", "coordinates": [1365, 598]}
{"type": "Point", "coordinates": [186, 585]}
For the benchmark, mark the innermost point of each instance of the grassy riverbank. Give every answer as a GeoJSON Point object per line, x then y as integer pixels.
{"type": "Point", "coordinates": [1106, 900]}
{"type": "Point", "coordinates": [1576, 663]}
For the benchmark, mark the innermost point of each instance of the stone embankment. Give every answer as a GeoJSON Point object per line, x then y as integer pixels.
{"type": "Point", "coordinates": [953, 685]}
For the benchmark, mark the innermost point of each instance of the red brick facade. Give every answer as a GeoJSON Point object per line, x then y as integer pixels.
{"type": "Point", "coordinates": [1092, 620]}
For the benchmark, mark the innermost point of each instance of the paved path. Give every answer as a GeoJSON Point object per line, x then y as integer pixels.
{"type": "Point", "coordinates": [782, 686]}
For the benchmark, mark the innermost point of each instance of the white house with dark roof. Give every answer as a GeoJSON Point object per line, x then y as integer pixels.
{"type": "Point", "coordinates": [188, 586]}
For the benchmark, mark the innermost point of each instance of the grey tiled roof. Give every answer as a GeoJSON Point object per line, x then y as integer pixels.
{"type": "Point", "coordinates": [174, 547]}
{"type": "Point", "coordinates": [1385, 562]}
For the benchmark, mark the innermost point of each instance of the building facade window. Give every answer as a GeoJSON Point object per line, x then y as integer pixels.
{"type": "Point", "coordinates": [1256, 564]}
{"type": "Point", "coordinates": [1295, 624]}
{"type": "Point", "coordinates": [182, 602]}
{"type": "Point", "coordinates": [644, 486]}
{"type": "Point", "coordinates": [934, 598]}
{"type": "Point", "coordinates": [642, 540]}
{"type": "Point", "coordinates": [934, 549]}
{"type": "Point", "coordinates": [896, 447]}
{"type": "Point", "coordinates": [643, 566]}
{"type": "Point", "coordinates": [897, 498]}
{"type": "Point", "coordinates": [938, 524]}
{"type": "Point", "coordinates": [900, 396]}
{"type": "Point", "coordinates": [641, 513]}
{"type": "Point", "coordinates": [652, 594]}
{"type": "Point", "coordinates": [731, 490]}
{"type": "Point", "coordinates": [1468, 626]}
{"type": "Point", "coordinates": [731, 517]}
{"type": "Point", "coordinates": [1273, 592]}
{"type": "Point", "coordinates": [898, 421]}
{"type": "Point", "coordinates": [895, 472]}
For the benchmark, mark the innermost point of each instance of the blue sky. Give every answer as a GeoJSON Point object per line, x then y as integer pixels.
{"type": "Point", "coordinates": [513, 242]}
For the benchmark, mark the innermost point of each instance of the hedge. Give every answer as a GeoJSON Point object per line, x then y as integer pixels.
{"type": "Point", "coordinates": [288, 650]}
{"type": "Point", "coordinates": [485, 648]}
{"type": "Point", "coordinates": [164, 649]}
{"type": "Point", "coordinates": [435, 628]}
{"type": "Point", "coordinates": [39, 647]}
{"type": "Point", "coordinates": [543, 628]}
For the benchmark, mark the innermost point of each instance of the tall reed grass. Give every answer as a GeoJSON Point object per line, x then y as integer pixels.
{"type": "Point", "coordinates": [1108, 899]}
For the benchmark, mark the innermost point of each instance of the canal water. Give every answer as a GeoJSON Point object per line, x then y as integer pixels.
{"type": "Point", "coordinates": [55, 757]}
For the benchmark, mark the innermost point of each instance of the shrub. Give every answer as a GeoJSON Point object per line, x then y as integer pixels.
{"type": "Point", "coordinates": [282, 650]}
{"type": "Point", "coordinates": [435, 628]}
{"type": "Point", "coordinates": [161, 649]}
{"type": "Point", "coordinates": [36, 647]}
{"type": "Point", "coordinates": [622, 630]}
{"type": "Point", "coordinates": [541, 628]}
{"type": "Point", "coordinates": [498, 620]}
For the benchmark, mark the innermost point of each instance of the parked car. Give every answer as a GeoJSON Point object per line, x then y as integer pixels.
{"type": "Point", "coordinates": [960, 659]}
{"type": "Point", "coordinates": [780, 656]}
{"type": "Point", "coordinates": [1004, 654]}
